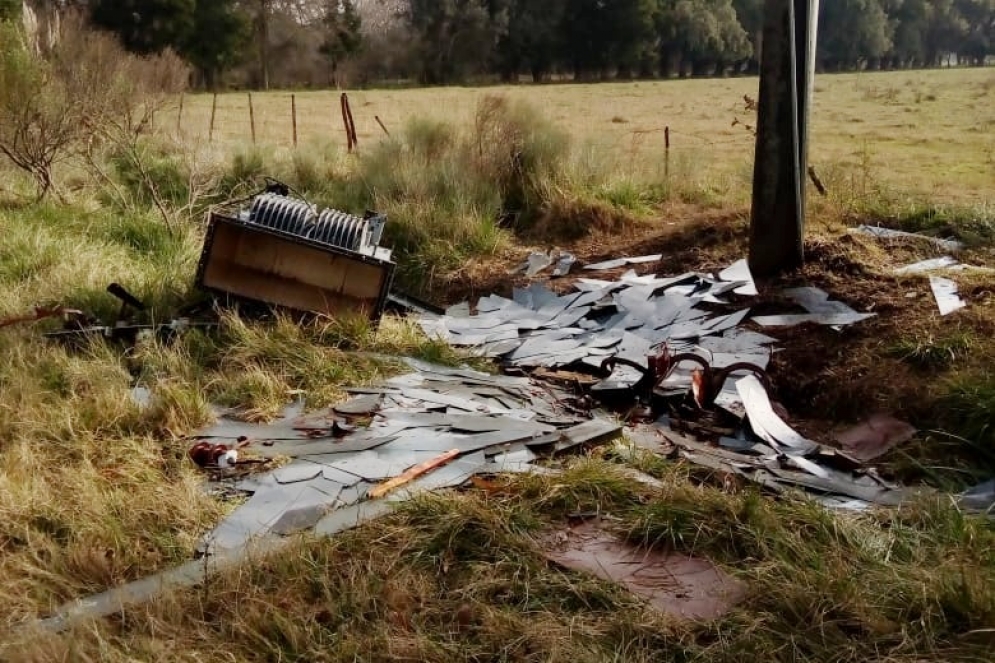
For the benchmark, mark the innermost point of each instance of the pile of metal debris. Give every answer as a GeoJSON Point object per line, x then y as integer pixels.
{"type": "Point", "coordinates": [453, 423]}
{"type": "Point", "coordinates": [662, 347]}
{"type": "Point", "coordinates": [433, 428]}
{"type": "Point", "coordinates": [642, 337]}
{"type": "Point", "coordinates": [673, 352]}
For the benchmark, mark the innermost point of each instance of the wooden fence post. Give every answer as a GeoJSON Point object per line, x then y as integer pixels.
{"type": "Point", "coordinates": [350, 124]}
{"type": "Point", "coordinates": [666, 143]}
{"type": "Point", "coordinates": [214, 110]}
{"type": "Point", "coordinates": [252, 119]}
{"type": "Point", "coordinates": [293, 113]}
{"type": "Point", "coordinates": [344, 103]}
{"type": "Point", "coordinates": [179, 117]}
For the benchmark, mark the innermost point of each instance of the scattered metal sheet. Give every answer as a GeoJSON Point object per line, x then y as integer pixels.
{"type": "Point", "coordinates": [622, 262]}
{"type": "Point", "coordinates": [302, 518]}
{"type": "Point", "coordinates": [816, 300]}
{"type": "Point", "coordinates": [535, 263]}
{"type": "Point", "coordinates": [806, 465]}
{"type": "Point", "coordinates": [726, 323]}
{"type": "Point", "coordinates": [327, 486]}
{"type": "Point", "coordinates": [980, 497]}
{"type": "Point", "coordinates": [117, 599]}
{"type": "Point", "coordinates": [729, 399]}
{"type": "Point", "coordinates": [928, 265]}
{"type": "Point", "coordinates": [519, 456]}
{"type": "Point", "coordinates": [846, 488]}
{"type": "Point", "coordinates": [349, 517]}
{"type": "Point", "coordinates": [739, 272]}
{"type": "Point", "coordinates": [372, 466]}
{"type": "Point", "coordinates": [596, 431]}
{"type": "Point", "coordinates": [317, 447]}
{"type": "Point", "coordinates": [875, 437]}
{"type": "Point", "coordinates": [472, 424]}
{"type": "Point", "coordinates": [736, 444]}
{"type": "Point", "coordinates": [354, 494]}
{"type": "Point", "coordinates": [254, 518]}
{"type": "Point", "coordinates": [685, 587]}
{"type": "Point", "coordinates": [424, 440]}
{"type": "Point", "coordinates": [827, 319]}
{"type": "Point", "coordinates": [945, 292]}
{"type": "Point", "coordinates": [297, 471]}
{"type": "Point", "coordinates": [702, 449]}
{"type": "Point", "coordinates": [142, 396]}
{"type": "Point", "coordinates": [461, 310]}
{"type": "Point", "coordinates": [950, 245]}
{"type": "Point", "coordinates": [564, 263]}
{"type": "Point", "coordinates": [361, 405]}
{"type": "Point", "coordinates": [765, 421]}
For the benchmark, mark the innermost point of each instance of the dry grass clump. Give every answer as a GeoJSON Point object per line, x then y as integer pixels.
{"type": "Point", "coordinates": [462, 577]}
{"type": "Point", "coordinates": [96, 490]}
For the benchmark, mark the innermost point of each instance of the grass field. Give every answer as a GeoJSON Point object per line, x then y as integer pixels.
{"type": "Point", "coordinates": [926, 135]}
{"type": "Point", "coordinates": [96, 490]}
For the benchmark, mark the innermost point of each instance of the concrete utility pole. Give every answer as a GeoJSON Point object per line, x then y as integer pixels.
{"type": "Point", "coordinates": [787, 71]}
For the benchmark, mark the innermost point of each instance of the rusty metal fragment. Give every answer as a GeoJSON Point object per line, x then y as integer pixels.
{"type": "Point", "coordinates": [875, 437]}
{"type": "Point", "coordinates": [677, 585]}
{"type": "Point", "coordinates": [39, 313]}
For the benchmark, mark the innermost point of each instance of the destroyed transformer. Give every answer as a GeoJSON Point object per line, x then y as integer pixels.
{"type": "Point", "coordinates": [282, 251]}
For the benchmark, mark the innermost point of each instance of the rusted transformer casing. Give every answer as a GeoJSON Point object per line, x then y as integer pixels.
{"type": "Point", "coordinates": [256, 263]}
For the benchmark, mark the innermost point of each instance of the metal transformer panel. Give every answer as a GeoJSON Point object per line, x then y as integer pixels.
{"type": "Point", "coordinates": [262, 264]}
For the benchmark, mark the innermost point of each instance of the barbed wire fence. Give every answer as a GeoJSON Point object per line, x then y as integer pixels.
{"type": "Point", "coordinates": [283, 120]}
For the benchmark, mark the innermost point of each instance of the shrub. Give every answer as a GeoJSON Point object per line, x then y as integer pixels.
{"type": "Point", "coordinates": [84, 91]}
{"type": "Point", "coordinates": [151, 175]}
{"type": "Point", "coordinates": [519, 150]}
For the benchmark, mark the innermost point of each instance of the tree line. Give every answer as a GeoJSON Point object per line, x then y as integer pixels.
{"type": "Point", "coordinates": [263, 43]}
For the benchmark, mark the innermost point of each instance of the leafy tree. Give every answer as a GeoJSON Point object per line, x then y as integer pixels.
{"type": "Point", "coordinates": [852, 32]}
{"type": "Point", "coordinates": [532, 38]}
{"type": "Point", "coordinates": [944, 30]}
{"type": "Point", "coordinates": [10, 9]}
{"type": "Point", "coordinates": [632, 35]}
{"type": "Point", "coordinates": [341, 26]}
{"type": "Point", "coordinates": [146, 26]}
{"type": "Point", "coordinates": [979, 40]}
{"type": "Point", "coordinates": [454, 37]}
{"type": "Point", "coordinates": [599, 35]}
{"type": "Point", "coordinates": [750, 14]}
{"type": "Point", "coordinates": [700, 32]}
{"type": "Point", "coordinates": [83, 92]}
{"type": "Point", "coordinates": [909, 19]}
{"type": "Point", "coordinates": [216, 39]}
{"type": "Point", "coordinates": [209, 34]}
